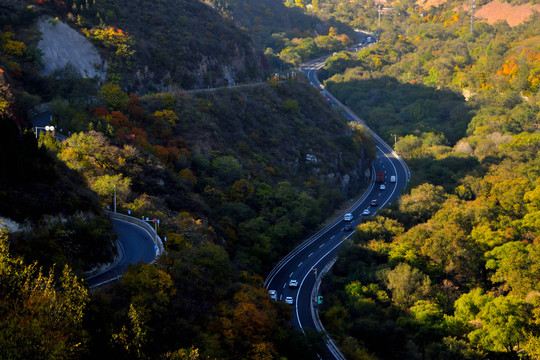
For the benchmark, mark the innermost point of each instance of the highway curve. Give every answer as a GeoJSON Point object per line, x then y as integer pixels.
{"type": "Point", "coordinates": [306, 262]}
{"type": "Point", "coordinates": [135, 245]}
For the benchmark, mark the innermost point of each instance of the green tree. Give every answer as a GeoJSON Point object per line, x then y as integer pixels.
{"type": "Point", "coordinates": [183, 354]}
{"type": "Point", "coordinates": [241, 190]}
{"type": "Point", "coordinates": [516, 265]}
{"type": "Point", "coordinates": [408, 285]}
{"type": "Point", "coordinates": [106, 185]}
{"type": "Point", "coordinates": [149, 288]}
{"type": "Point", "coordinates": [409, 146]}
{"type": "Point", "coordinates": [114, 97]}
{"type": "Point", "coordinates": [41, 315]}
{"type": "Point", "coordinates": [503, 324]}
{"type": "Point", "coordinates": [133, 337]}
{"type": "Point", "coordinates": [227, 169]}
{"type": "Point", "coordinates": [380, 228]}
{"type": "Point", "coordinates": [426, 322]}
{"type": "Point", "coordinates": [494, 323]}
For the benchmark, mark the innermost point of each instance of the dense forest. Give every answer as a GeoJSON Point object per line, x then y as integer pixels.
{"type": "Point", "coordinates": [239, 176]}
{"type": "Point", "coordinates": [233, 190]}
{"type": "Point", "coordinates": [451, 271]}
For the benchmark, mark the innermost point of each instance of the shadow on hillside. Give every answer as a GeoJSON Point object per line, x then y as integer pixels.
{"type": "Point", "coordinates": [395, 110]}
{"type": "Point", "coordinates": [265, 17]}
{"type": "Point", "coordinates": [390, 107]}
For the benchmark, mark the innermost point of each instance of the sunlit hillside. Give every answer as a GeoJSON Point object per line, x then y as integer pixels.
{"type": "Point", "coordinates": [197, 115]}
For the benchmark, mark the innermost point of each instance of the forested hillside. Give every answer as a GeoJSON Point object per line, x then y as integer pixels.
{"type": "Point", "coordinates": [233, 194]}
{"type": "Point", "coordinates": [289, 33]}
{"type": "Point", "coordinates": [451, 271]}
{"type": "Point", "coordinates": [237, 177]}
{"type": "Point", "coordinates": [152, 45]}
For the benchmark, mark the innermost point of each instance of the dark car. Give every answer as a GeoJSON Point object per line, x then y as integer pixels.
{"type": "Point", "coordinates": [348, 227]}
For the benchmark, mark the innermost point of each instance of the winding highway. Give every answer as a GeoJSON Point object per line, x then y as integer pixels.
{"type": "Point", "coordinates": [135, 245]}
{"type": "Point", "coordinates": [305, 263]}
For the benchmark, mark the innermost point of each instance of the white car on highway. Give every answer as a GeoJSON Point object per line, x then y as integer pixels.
{"type": "Point", "coordinates": [348, 217]}
{"type": "Point", "coordinates": [293, 283]}
{"type": "Point", "coordinates": [273, 294]}
{"type": "Point", "coordinates": [289, 300]}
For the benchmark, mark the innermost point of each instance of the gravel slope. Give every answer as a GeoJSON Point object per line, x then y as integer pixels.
{"type": "Point", "coordinates": [62, 45]}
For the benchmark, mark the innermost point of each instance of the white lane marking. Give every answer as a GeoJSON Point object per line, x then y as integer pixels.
{"type": "Point", "coordinates": [284, 285]}
{"type": "Point", "coordinates": [291, 274]}
{"type": "Point", "coordinates": [307, 274]}
{"type": "Point", "coordinates": [321, 246]}
{"type": "Point", "coordinates": [287, 259]}
{"type": "Point", "coordinates": [394, 188]}
{"type": "Point", "coordinates": [333, 236]}
{"type": "Point", "coordinates": [310, 255]}
{"type": "Point", "coordinates": [300, 263]}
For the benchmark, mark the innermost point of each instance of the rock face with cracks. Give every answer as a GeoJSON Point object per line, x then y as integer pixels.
{"type": "Point", "coordinates": [62, 45]}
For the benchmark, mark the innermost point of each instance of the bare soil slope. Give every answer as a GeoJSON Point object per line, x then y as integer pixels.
{"type": "Point", "coordinates": [62, 45]}
{"type": "Point", "coordinates": [514, 15]}
{"type": "Point", "coordinates": [493, 11]}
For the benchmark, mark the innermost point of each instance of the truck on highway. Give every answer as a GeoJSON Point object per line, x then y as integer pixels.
{"type": "Point", "coordinates": [379, 176]}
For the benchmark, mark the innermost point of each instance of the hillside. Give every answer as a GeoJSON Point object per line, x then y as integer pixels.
{"type": "Point", "coordinates": [151, 45]}
{"type": "Point", "coordinates": [267, 18]}
{"type": "Point", "coordinates": [439, 274]}
{"type": "Point", "coordinates": [237, 177]}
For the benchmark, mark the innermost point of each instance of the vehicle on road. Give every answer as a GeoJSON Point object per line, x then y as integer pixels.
{"type": "Point", "coordinates": [366, 212]}
{"type": "Point", "coordinates": [289, 300]}
{"type": "Point", "coordinates": [347, 227]}
{"type": "Point", "coordinates": [392, 179]}
{"type": "Point", "coordinates": [293, 283]}
{"type": "Point", "coordinates": [382, 187]}
{"type": "Point", "coordinates": [373, 202]}
{"type": "Point", "coordinates": [379, 176]}
{"type": "Point", "coordinates": [348, 217]}
{"type": "Point", "coordinates": [273, 294]}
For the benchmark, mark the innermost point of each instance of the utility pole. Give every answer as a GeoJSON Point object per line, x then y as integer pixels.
{"type": "Point", "coordinates": [472, 16]}
{"type": "Point", "coordinates": [113, 184]}
{"type": "Point", "coordinates": [379, 29]}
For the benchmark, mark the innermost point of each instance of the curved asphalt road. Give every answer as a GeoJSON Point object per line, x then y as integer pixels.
{"type": "Point", "coordinates": [135, 245]}
{"type": "Point", "coordinates": [307, 260]}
